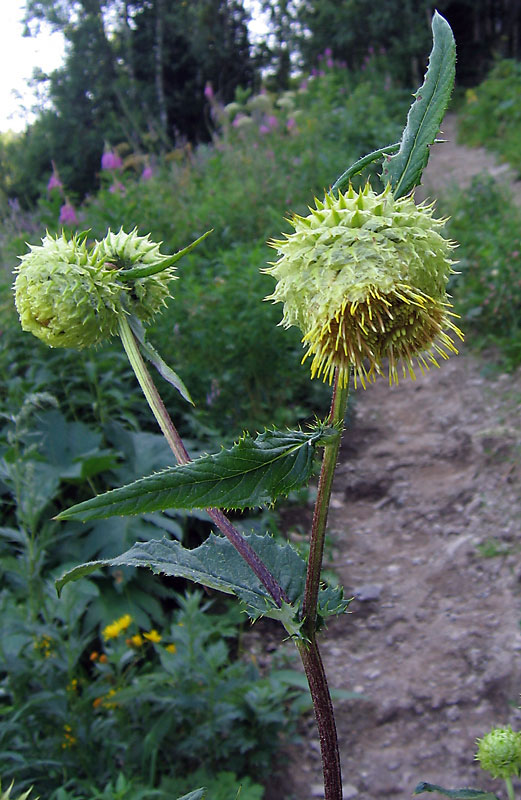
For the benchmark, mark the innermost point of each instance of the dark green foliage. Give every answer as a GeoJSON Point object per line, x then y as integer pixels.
{"type": "Point", "coordinates": [74, 705]}
{"type": "Point", "coordinates": [492, 114]}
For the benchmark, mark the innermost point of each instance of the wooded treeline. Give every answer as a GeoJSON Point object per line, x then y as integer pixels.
{"type": "Point", "coordinates": [136, 72]}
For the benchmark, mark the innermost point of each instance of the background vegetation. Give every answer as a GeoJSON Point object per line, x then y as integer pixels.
{"type": "Point", "coordinates": [165, 116]}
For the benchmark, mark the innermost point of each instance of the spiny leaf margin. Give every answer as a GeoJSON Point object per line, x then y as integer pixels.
{"type": "Point", "coordinates": [455, 794]}
{"type": "Point", "coordinates": [249, 474]}
{"type": "Point", "coordinates": [217, 565]}
{"type": "Point", "coordinates": [404, 170]}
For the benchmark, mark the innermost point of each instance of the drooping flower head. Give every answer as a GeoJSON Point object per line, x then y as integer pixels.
{"type": "Point", "coordinates": [70, 295]}
{"type": "Point", "coordinates": [364, 277]}
{"type": "Point", "coordinates": [499, 752]}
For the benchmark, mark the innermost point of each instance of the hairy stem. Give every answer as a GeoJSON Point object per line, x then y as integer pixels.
{"type": "Point", "coordinates": [180, 452]}
{"type": "Point", "coordinates": [325, 718]}
{"type": "Point", "coordinates": [308, 649]}
{"type": "Point", "coordinates": [318, 530]}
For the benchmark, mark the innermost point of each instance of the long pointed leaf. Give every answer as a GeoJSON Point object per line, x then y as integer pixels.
{"type": "Point", "coordinates": [218, 565]}
{"type": "Point", "coordinates": [252, 472]}
{"type": "Point", "coordinates": [153, 356]}
{"type": "Point", "coordinates": [403, 171]}
{"type": "Point", "coordinates": [455, 794]}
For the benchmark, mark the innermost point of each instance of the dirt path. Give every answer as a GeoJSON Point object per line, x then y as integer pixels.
{"type": "Point", "coordinates": [429, 472]}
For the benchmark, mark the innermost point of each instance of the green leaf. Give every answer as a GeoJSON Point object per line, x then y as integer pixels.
{"type": "Point", "coordinates": [151, 269]}
{"type": "Point", "coordinates": [153, 356]}
{"type": "Point", "coordinates": [455, 794]}
{"type": "Point", "coordinates": [404, 170]}
{"type": "Point", "coordinates": [217, 565]}
{"type": "Point", "coordinates": [198, 794]}
{"type": "Point", "coordinates": [252, 472]}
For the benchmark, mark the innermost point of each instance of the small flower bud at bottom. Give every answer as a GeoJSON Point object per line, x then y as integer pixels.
{"type": "Point", "coordinates": [499, 752]}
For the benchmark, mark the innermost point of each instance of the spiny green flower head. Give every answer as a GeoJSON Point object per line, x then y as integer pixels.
{"type": "Point", "coordinates": [499, 752]}
{"type": "Point", "coordinates": [70, 295]}
{"type": "Point", "coordinates": [63, 296]}
{"type": "Point", "coordinates": [147, 295]}
{"type": "Point", "coordinates": [364, 277]}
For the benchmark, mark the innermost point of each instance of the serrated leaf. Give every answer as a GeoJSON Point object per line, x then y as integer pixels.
{"type": "Point", "coordinates": [455, 794]}
{"type": "Point", "coordinates": [217, 565]}
{"type": "Point", "coordinates": [252, 472]}
{"type": "Point", "coordinates": [404, 170]}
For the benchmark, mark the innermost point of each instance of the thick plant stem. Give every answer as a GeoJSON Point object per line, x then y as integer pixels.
{"type": "Point", "coordinates": [325, 718]}
{"type": "Point", "coordinates": [510, 788]}
{"type": "Point", "coordinates": [308, 648]}
{"type": "Point", "coordinates": [180, 452]}
{"type": "Point", "coordinates": [318, 530]}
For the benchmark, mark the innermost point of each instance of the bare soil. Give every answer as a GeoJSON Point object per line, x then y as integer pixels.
{"type": "Point", "coordinates": [429, 475]}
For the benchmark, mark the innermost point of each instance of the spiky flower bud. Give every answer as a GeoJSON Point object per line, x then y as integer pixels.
{"type": "Point", "coordinates": [364, 278]}
{"type": "Point", "coordinates": [148, 294]}
{"type": "Point", "coordinates": [70, 295]}
{"type": "Point", "coordinates": [499, 752]}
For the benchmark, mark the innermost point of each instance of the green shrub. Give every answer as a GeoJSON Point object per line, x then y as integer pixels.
{"type": "Point", "coordinates": [492, 114]}
{"type": "Point", "coordinates": [76, 702]}
{"type": "Point", "coordinates": [487, 291]}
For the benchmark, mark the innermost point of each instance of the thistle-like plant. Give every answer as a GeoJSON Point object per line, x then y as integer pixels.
{"type": "Point", "coordinates": [364, 278]}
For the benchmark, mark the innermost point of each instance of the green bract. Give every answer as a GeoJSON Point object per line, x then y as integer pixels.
{"type": "Point", "coordinates": [70, 295]}
{"type": "Point", "coordinates": [364, 278]}
{"type": "Point", "coordinates": [499, 752]}
{"type": "Point", "coordinates": [124, 251]}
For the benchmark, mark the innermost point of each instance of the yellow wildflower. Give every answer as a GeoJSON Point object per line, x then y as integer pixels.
{"type": "Point", "coordinates": [113, 630]}
{"type": "Point", "coordinates": [135, 641]}
{"type": "Point", "coordinates": [152, 636]}
{"type": "Point", "coordinates": [171, 648]}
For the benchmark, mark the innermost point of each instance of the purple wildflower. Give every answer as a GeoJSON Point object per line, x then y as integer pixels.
{"type": "Point", "coordinates": [147, 173]}
{"type": "Point", "coordinates": [328, 52]}
{"type": "Point", "coordinates": [67, 214]}
{"type": "Point", "coordinates": [54, 180]}
{"type": "Point", "coordinates": [110, 160]}
{"type": "Point", "coordinates": [263, 130]}
{"type": "Point", "coordinates": [272, 121]}
{"type": "Point", "coordinates": [116, 187]}
{"type": "Point", "coordinates": [290, 124]}
{"type": "Point", "coordinates": [208, 91]}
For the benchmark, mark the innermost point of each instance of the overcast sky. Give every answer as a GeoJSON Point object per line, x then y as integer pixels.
{"type": "Point", "coordinates": [19, 56]}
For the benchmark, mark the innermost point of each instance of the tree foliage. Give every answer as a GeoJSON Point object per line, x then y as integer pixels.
{"type": "Point", "coordinates": [134, 73]}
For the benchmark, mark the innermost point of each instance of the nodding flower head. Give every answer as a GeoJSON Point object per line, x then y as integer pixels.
{"type": "Point", "coordinates": [364, 278]}
{"type": "Point", "coordinates": [70, 295]}
{"type": "Point", "coordinates": [499, 752]}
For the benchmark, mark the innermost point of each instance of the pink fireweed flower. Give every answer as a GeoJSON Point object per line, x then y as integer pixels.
{"type": "Point", "coordinates": [110, 160]}
{"type": "Point", "coordinates": [208, 91]}
{"type": "Point", "coordinates": [67, 214]}
{"type": "Point", "coordinates": [330, 63]}
{"type": "Point", "coordinates": [328, 52]}
{"type": "Point", "coordinates": [54, 180]}
{"type": "Point", "coordinates": [263, 129]}
{"type": "Point", "coordinates": [290, 124]}
{"type": "Point", "coordinates": [147, 174]}
{"type": "Point", "coordinates": [272, 122]}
